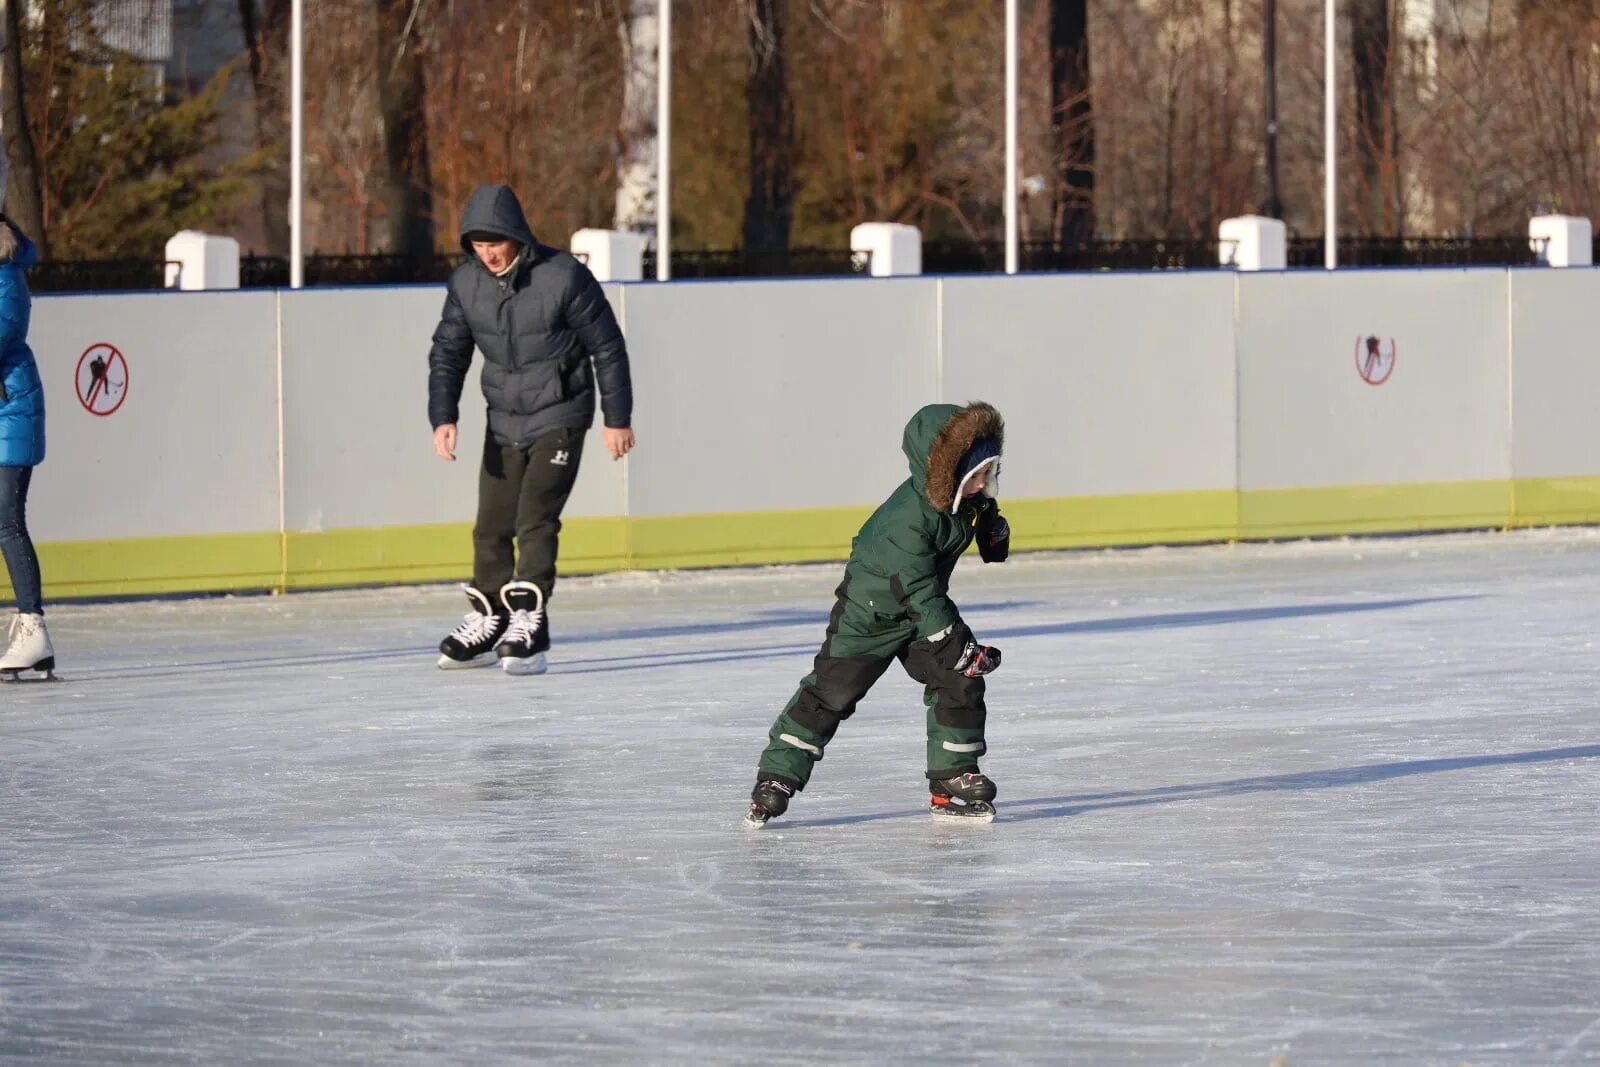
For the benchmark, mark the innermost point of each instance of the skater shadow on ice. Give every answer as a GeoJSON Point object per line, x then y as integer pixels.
{"type": "Point", "coordinates": [1220, 617]}
{"type": "Point", "coordinates": [1027, 810]}
{"type": "Point", "coordinates": [1331, 778]}
{"type": "Point", "coordinates": [681, 657]}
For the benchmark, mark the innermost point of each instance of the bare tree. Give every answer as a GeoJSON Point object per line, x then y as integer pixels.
{"type": "Point", "coordinates": [769, 208]}
{"type": "Point", "coordinates": [20, 187]}
{"type": "Point", "coordinates": [640, 30]}
{"type": "Point", "coordinates": [402, 90]}
{"type": "Point", "coordinates": [528, 93]}
{"type": "Point", "coordinates": [1376, 149]}
{"type": "Point", "coordinates": [266, 37]}
{"type": "Point", "coordinates": [1072, 120]}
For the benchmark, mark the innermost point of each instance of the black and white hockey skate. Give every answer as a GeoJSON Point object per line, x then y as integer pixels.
{"type": "Point", "coordinates": [527, 638]}
{"type": "Point", "coordinates": [968, 796]}
{"type": "Point", "coordinates": [769, 798]}
{"type": "Point", "coordinates": [472, 643]}
{"type": "Point", "coordinates": [30, 657]}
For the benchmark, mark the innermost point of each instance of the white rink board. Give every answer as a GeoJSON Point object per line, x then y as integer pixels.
{"type": "Point", "coordinates": [358, 446]}
{"type": "Point", "coordinates": [1555, 372]}
{"type": "Point", "coordinates": [1108, 384]}
{"type": "Point", "coordinates": [775, 395]}
{"type": "Point", "coordinates": [193, 446]}
{"type": "Point", "coordinates": [1308, 419]}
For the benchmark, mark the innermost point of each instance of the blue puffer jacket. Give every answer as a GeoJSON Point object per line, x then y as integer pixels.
{"type": "Point", "coordinates": [21, 392]}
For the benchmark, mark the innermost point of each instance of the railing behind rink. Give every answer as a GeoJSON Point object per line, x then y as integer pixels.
{"type": "Point", "coordinates": [938, 257]}
{"type": "Point", "coordinates": [258, 272]}
{"type": "Point", "coordinates": [1503, 251]}
{"type": "Point", "coordinates": [97, 275]}
{"type": "Point", "coordinates": [735, 263]}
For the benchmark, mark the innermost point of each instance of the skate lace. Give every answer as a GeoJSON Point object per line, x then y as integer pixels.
{"type": "Point", "coordinates": [524, 624]}
{"type": "Point", "coordinates": [474, 628]}
{"type": "Point", "coordinates": [22, 628]}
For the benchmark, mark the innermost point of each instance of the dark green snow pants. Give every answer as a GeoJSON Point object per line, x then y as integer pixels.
{"type": "Point", "coordinates": [858, 648]}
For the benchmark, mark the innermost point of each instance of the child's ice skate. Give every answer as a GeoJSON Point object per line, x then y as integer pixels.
{"type": "Point", "coordinates": [472, 643]}
{"type": "Point", "coordinates": [30, 650]}
{"type": "Point", "coordinates": [966, 796]}
{"type": "Point", "coordinates": [527, 637]}
{"type": "Point", "coordinates": [769, 798]}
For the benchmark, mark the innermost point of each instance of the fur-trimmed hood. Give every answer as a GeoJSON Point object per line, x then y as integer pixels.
{"type": "Point", "coordinates": [936, 439]}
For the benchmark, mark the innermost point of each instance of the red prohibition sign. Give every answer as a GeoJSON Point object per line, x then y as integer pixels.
{"type": "Point", "coordinates": [1375, 358]}
{"type": "Point", "coordinates": [102, 379]}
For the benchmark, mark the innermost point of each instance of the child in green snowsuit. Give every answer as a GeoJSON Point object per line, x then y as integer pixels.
{"type": "Point", "coordinates": [894, 604]}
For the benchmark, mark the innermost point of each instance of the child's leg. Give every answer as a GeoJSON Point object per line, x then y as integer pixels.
{"type": "Point", "coordinates": [851, 659]}
{"type": "Point", "coordinates": [956, 715]}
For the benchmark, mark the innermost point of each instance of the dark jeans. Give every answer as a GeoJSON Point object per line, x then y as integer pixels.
{"type": "Point", "coordinates": [521, 492]}
{"type": "Point", "coordinates": [21, 560]}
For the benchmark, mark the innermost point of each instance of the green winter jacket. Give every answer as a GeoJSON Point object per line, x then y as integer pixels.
{"type": "Point", "coordinates": [901, 561]}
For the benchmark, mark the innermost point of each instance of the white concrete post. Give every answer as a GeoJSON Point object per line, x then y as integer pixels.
{"type": "Point", "coordinates": [197, 260]}
{"type": "Point", "coordinates": [611, 255]}
{"type": "Point", "coordinates": [1253, 242]}
{"type": "Point", "coordinates": [887, 249]}
{"type": "Point", "coordinates": [1561, 240]}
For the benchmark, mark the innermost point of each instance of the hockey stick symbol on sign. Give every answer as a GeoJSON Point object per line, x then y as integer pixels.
{"type": "Point", "coordinates": [102, 379]}
{"type": "Point", "coordinates": [1375, 357]}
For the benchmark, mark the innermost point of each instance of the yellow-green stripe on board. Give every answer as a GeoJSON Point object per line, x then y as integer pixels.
{"type": "Point", "coordinates": [1557, 501]}
{"type": "Point", "coordinates": [434, 553]}
{"type": "Point", "coordinates": [1125, 519]}
{"type": "Point", "coordinates": [1265, 514]}
{"type": "Point", "coordinates": [151, 566]}
{"type": "Point", "coordinates": [443, 552]}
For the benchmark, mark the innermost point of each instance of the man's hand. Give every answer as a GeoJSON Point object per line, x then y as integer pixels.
{"type": "Point", "coordinates": [619, 442]}
{"type": "Point", "coordinates": [444, 441]}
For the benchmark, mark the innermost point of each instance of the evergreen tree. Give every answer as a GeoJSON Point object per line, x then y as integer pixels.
{"type": "Point", "coordinates": [122, 157]}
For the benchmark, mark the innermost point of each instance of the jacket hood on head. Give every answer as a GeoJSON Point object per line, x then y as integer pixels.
{"type": "Point", "coordinates": [495, 209]}
{"type": "Point", "coordinates": [936, 439]}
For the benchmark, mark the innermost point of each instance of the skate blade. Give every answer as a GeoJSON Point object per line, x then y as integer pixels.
{"type": "Point", "coordinates": [534, 664]}
{"type": "Point", "coordinates": [448, 664]}
{"type": "Point", "coordinates": [18, 676]}
{"type": "Point", "coordinates": [756, 820]}
{"type": "Point", "coordinates": [975, 813]}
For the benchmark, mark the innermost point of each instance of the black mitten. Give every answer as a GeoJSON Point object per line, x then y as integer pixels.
{"type": "Point", "coordinates": [977, 659]}
{"type": "Point", "coordinates": [956, 651]}
{"type": "Point", "coordinates": [993, 536]}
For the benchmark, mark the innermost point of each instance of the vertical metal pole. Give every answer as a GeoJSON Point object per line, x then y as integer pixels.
{"type": "Point", "coordinates": [664, 146]}
{"type": "Point", "coordinates": [1269, 57]}
{"type": "Point", "coordinates": [1011, 138]}
{"type": "Point", "coordinates": [297, 134]}
{"type": "Point", "coordinates": [1330, 145]}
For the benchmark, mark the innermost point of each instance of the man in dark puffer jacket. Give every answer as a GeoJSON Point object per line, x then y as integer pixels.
{"type": "Point", "coordinates": [548, 338]}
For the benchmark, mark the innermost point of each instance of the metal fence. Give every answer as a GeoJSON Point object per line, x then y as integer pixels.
{"type": "Point", "coordinates": [256, 272]}
{"type": "Point", "coordinates": [938, 257]}
{"type": "Point", "coordinates": [735, 263]}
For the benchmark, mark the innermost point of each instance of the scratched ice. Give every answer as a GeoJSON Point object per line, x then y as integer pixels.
{"type": "Point", "coordinates": [1328, 802]}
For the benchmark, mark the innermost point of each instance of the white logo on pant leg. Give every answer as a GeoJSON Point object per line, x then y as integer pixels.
{"type": "Point", "coordinates": [560, 459]}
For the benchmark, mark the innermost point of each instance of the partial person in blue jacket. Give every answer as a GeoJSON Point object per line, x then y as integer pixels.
{"type": "Point", "coordinates": [21, 449]}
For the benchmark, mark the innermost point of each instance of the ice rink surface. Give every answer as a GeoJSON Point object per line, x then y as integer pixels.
{"type": "Point", "coordinates": [1308, 803]}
